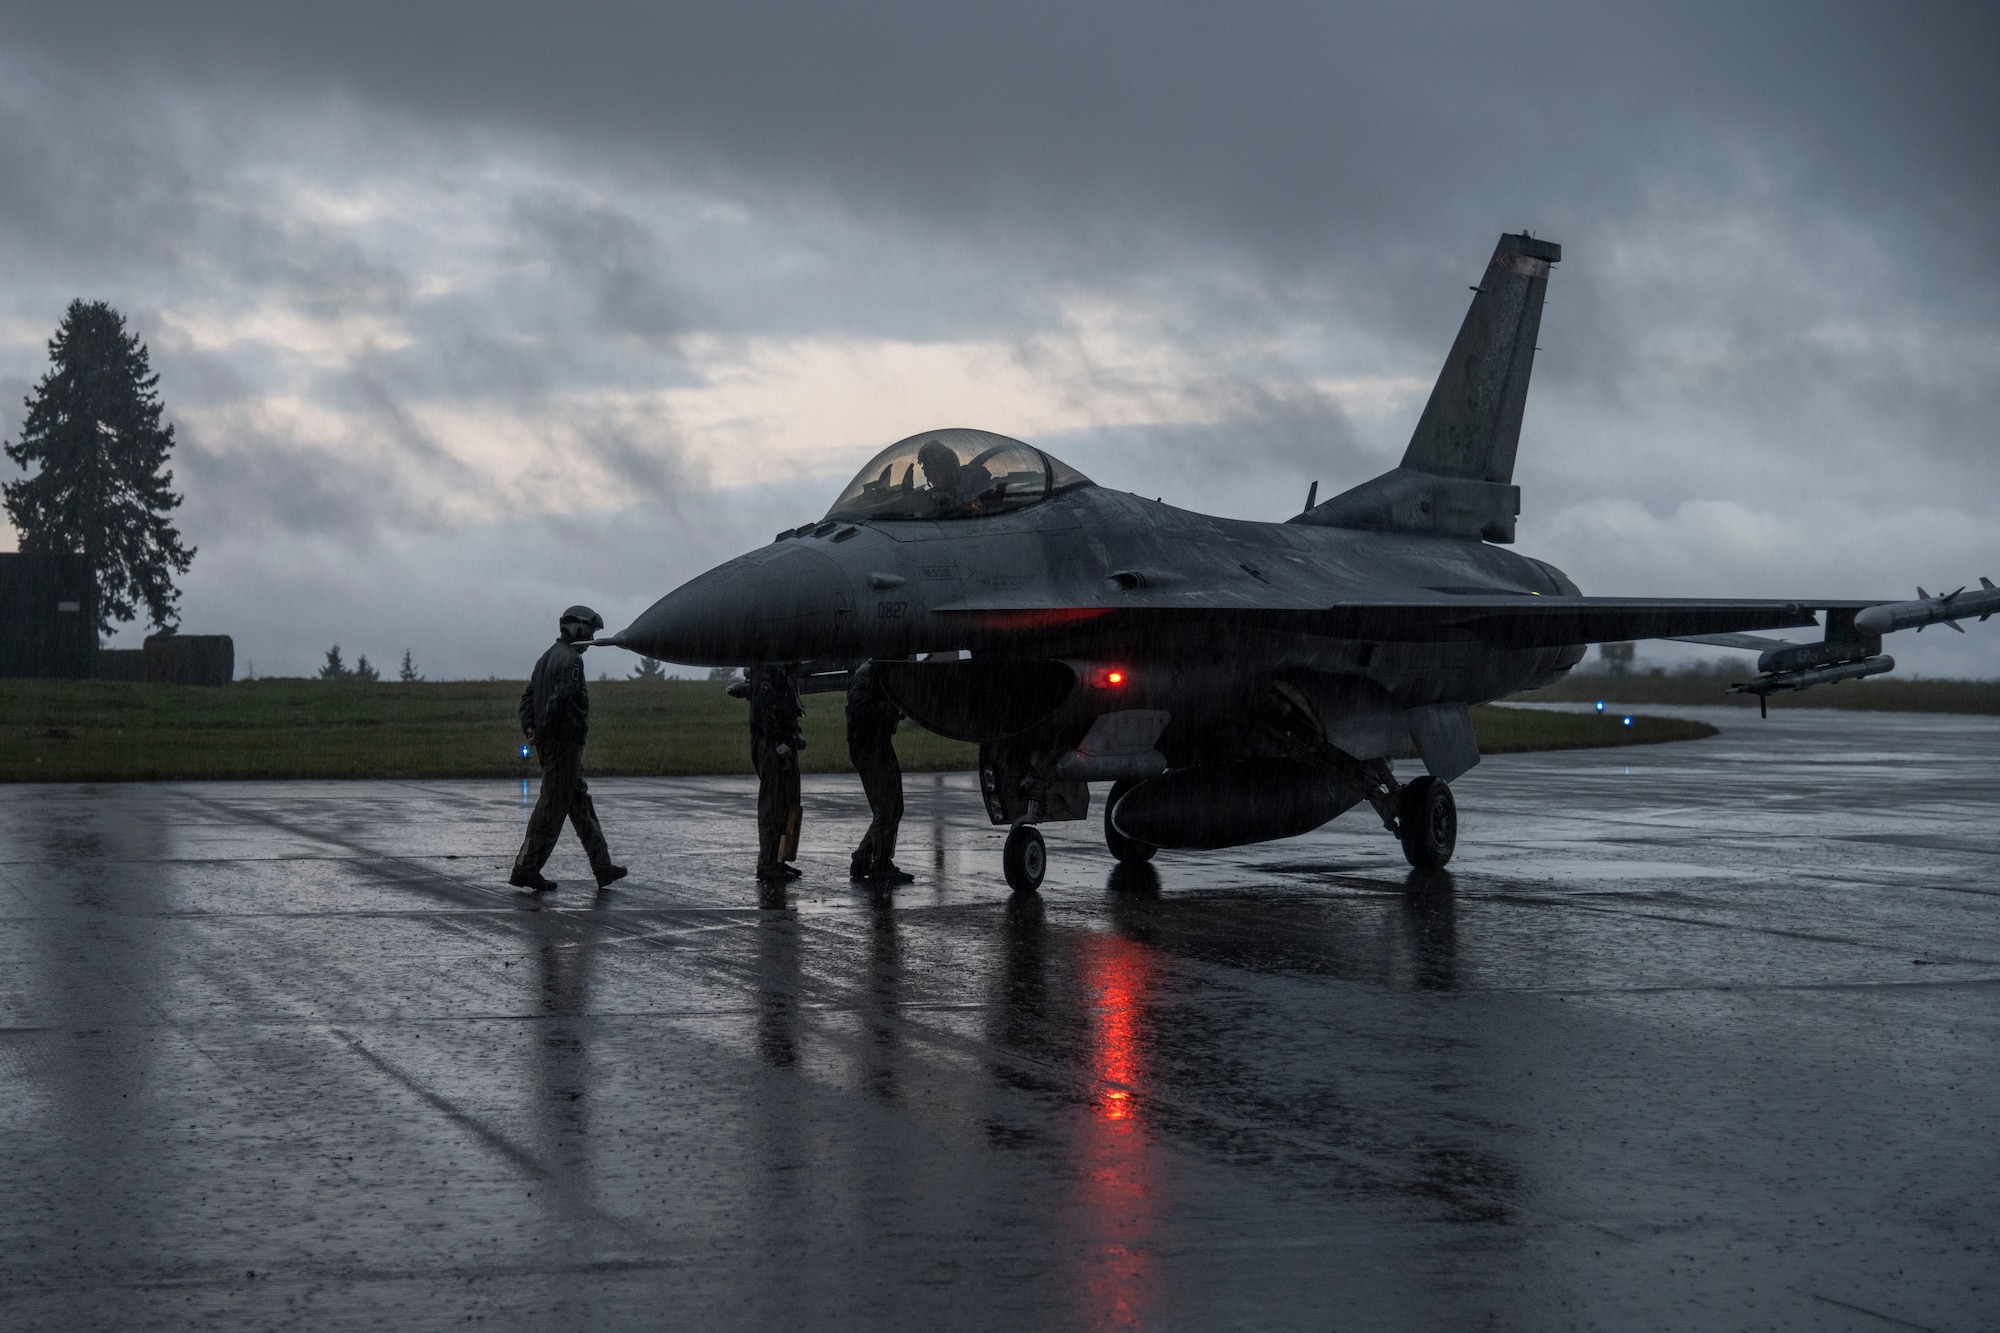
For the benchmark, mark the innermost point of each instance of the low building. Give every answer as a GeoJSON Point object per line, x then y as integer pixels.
{"type": "Point", "coordinates": [48, 631]}
{"type": "Point", "coordinates": [48, 616]}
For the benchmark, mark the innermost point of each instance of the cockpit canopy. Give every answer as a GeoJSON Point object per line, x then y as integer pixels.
{"type": "Point", "coordinates": [953, 474]}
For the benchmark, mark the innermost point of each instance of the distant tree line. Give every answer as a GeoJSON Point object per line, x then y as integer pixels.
{"type": "Point", "coordinates": [362, 670]}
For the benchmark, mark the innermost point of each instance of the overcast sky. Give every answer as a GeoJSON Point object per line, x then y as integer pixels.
{"type": "Point", "coordinates": [466, 312]}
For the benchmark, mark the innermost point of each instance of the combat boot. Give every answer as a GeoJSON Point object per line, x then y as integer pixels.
{"type": "Point", "coordinates": [610, 875]}
{"type": "Point", "coordinates": [532, 880]}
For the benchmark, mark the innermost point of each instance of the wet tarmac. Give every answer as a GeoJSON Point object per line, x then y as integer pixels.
{"type": "Point", "coordinates": [1699, 1036]}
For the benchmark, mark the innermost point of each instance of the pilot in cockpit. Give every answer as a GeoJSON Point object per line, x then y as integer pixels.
{"type": "Point", "coordinates": [953, 486]}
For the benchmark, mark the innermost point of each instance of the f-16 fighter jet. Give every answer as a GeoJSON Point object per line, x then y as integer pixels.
{"type": "Point", "coordinates": [1232, 681]}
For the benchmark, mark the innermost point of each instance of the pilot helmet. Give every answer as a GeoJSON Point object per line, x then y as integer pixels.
{"type": "Point", "coordinates": [938, 458]}
{"type": "Point", "coordinates": [581, 618]}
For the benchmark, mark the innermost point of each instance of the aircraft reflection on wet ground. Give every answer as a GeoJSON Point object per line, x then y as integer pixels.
{"type": "Point", "coordinates": [285, 1054]}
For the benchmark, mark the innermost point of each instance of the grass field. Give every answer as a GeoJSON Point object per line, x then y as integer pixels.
{"type": "Point", "coordinates": [1711, 689]}
{"type": "Point", "coordinates": [109, 731]}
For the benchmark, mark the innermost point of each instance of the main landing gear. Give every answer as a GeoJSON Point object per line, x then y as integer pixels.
{"type": "Point", "coordinates": [1421, 813]}
{"type": "Point", "coordinates": [1427, 823]}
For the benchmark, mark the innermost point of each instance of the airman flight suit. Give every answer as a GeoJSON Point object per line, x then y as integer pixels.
{"type": "Point", "coordinates": [871, 723]}
{"type": "Point", "coordinates": [774, 752]}
{"type": "Point", "coordinates": [555, 709]}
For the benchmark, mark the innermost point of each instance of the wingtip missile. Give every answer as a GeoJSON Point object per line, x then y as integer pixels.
{"type": "Point", "coordinates": [1945, 609]}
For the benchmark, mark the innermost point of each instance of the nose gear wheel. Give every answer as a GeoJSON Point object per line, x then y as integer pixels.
{"type": "Point", "coordinates": [1025, 858]}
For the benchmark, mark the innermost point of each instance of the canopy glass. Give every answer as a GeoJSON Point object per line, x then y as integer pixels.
{"type": "Point", "coordinates": [952, 474]}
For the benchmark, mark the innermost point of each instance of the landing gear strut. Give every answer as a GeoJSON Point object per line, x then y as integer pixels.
{"type": "Point", "coordinates": [1025, 858]}
{"type": "Point", "coordinates": [1427, 823]}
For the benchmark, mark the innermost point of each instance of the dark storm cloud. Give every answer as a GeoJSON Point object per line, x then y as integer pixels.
{"type": "Point", "coordinates": [613, 261]}
{"type": "Point", "coordinates": [1286, 125]}
{"type": "Point", "coordinates": [1296, 435]}
{"type": "Point", "coordinates": [263, 494]}
{"type": "Point", "coordinates": [1782, 228]}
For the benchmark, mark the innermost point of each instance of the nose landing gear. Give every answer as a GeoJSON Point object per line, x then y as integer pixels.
{"type": "Point", "coordinates": [1025, 858]}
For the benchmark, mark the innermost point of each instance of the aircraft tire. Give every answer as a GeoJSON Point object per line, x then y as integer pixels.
{"type": "Point", "coordinates": [1024, 859]}
{"type": "Point", "coordinates": [1126, 851]}
{"type": "Point", "coordinates": [1429, 819]}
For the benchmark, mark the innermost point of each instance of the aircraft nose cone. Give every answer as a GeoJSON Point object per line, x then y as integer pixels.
{"type": "Point", "coordinates": [785, 603]}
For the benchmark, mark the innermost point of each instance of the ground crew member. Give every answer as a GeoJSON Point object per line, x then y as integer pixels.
{"type": "Point", "coordinates": [555, 715]}
{"type": "Point", "coordinates": [871, 722]}
{"type": "Point", "coordinates": [775, 743]}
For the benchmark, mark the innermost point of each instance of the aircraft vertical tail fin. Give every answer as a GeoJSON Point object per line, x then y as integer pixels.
{"type": "Point", "coordinates": [1472, 424]}
{"type": "Point", "coordinates": [1456, 478]}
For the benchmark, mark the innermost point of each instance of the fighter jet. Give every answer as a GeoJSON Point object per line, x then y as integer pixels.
{"type": "Point", "coordinates": [1233, 681]}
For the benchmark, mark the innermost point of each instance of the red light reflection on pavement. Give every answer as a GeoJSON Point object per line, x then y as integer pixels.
{"type": "Point", "coordinates": [1116, 1161]}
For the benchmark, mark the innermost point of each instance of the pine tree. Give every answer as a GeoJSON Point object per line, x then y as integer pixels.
{"type": "Point", "coordinates": [335, 669]}
{"type": "Point", "coordinates": [362, 671]}
{"type": "Point", "coordinates": [649, 669]}
{"type": "Point", "coordinates": [409, 672]}
{"type": "Point", "coordinates": [100, 488]}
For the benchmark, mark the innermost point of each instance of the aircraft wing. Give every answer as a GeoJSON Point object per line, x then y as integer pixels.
{"type": "Point", "coordinates": [1511, 621]}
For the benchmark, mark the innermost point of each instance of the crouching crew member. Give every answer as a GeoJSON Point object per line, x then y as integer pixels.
{"type": "Point", "coordinates": [775, 743]}
{"type": "Point", "coordinates": [871, 723]}
{"type": "Point", "coordinates": [555, 715]}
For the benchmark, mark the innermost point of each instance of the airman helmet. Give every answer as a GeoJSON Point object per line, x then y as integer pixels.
{"type": "Point", "coordinates": [580, 622]}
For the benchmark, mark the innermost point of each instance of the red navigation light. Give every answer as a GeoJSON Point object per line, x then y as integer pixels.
{"type": "Point", "coordinates": [1108, 678]}
{"type": "Point", "coordinates": [1114, 678]}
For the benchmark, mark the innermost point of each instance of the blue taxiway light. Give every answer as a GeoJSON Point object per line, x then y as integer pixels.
{"type": "Point", "coordinates": [524, 752]}
{"type": "Point", "coordinates": [1600, 705]}
{"type": "Point", "coordinates": [1628, 721]}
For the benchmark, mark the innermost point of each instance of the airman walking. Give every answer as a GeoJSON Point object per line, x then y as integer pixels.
{"type": "Point", "coordinates": [555, 717]}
